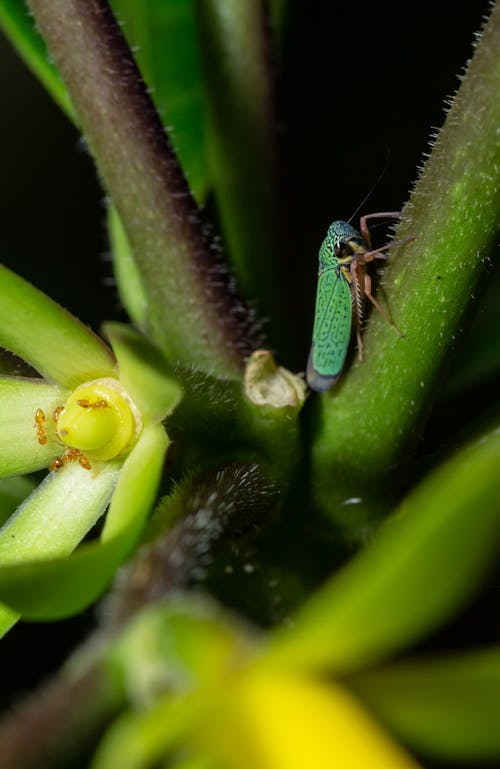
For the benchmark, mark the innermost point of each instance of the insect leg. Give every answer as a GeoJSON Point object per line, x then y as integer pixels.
{"type": "Point", "coordinates": [357, 286]}
{"type": "Point", "coordinates": [363, 227]}
{"type": "Point", "coordinates": [369, 256]}
{"type": "Point", "coordinates": [368, 293]}
{"type": "Point", "coordinates": [359, 340]}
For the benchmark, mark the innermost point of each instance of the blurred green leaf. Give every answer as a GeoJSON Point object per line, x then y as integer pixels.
{"type": "Point", "coordinates": [164, 37]}
{"type": "Point", "coordinates": [425, 562]}
{"type": "Point", "coordinates": [19, 26]}
{"type": "Point", "coordinates": [446, 707]}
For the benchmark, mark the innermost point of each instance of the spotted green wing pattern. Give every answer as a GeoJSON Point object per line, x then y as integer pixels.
{"type": "Point", "coordinates": [332, 330]}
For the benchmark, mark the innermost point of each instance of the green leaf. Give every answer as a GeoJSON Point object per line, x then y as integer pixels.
{"type": "Point", "coordinates": [425, 562]}
{"type": "Point", "coordinates": [144, 372]}
{"type": "Point", "coordinates": [164, 37]}
{"type": "Point", "coordinates": [67, 585]}
{"type": "Point", "coordinates": [19, 27]}
{"type": "Point", "coordinates": [48, 337]}
{"type": "Point", "coordinates": [20, 450]}
{"type": "Point", "coordinates": [445, 707]}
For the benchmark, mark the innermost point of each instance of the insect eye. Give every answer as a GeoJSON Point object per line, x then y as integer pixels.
{"type": "Point", "coordinates": [341, 248]}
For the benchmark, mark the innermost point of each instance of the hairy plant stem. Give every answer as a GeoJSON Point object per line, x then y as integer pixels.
{"type": "Point", "coordinates": [367, 426]}
{"type": "Point", "coordinates": [193, 313]}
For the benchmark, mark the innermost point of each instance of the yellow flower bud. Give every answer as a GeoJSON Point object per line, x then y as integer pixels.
{"type": "Point", "coordinates": [100, 419]}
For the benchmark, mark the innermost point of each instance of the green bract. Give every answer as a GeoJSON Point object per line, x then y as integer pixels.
{"type": "Point", "coordinates": [95, 421]}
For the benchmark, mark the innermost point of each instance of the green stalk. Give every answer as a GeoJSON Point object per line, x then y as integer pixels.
{"type": "Point", "coordinates": [192, 314]}
{"type": "Point", "coordinates": [367, 425]}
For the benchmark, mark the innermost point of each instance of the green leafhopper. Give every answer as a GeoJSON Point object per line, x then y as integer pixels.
{"type": "Point", "coordinates": [343, 284]}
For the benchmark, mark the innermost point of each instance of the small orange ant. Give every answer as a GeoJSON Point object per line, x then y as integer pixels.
{"type": "Point", "coordinates": [71, 455]}
{"type": "Point", "coordinates": [40, 426]}
{"type": "Point", "coordinates": [57, 413]}
{"type": "Point", "coordinates": [85, 404]}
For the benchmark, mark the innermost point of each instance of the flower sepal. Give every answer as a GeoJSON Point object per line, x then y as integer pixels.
{"type": "Point", "coordinates": [144, 372]}
{"type": "Point", "coordinates": [44, 587]}
{"type": "Point", "coordinates": [94, 421]}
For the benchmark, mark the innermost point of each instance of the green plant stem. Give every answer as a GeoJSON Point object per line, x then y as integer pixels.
{"type": "Point", "coordinates": [242, 148]}
{"type": "Point", "coordinates": [192, 315]}
{"type": "Point", "coordinates": [368, 424]}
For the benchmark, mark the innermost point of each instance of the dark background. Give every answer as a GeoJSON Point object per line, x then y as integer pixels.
{"type": "Point", "coordinates": [357, 87]}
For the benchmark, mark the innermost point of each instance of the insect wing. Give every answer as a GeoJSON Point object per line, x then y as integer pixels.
{"type": "Point", "coordinates": [332, 330]}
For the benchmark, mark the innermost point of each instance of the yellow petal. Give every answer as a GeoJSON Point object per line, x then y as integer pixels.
{"type": "Point", "coordinates": [277, 721]}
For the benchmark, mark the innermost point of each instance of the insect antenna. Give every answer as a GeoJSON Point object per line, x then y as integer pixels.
{"type": "Point", "coordinates": [374, 185]}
